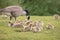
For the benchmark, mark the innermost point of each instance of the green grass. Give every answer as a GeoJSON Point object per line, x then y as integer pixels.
{"type": "Point", "coordinates": [8, 33]}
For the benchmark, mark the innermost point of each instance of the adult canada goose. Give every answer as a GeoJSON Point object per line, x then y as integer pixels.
{"type": "Point", "coordinates": [14, 11]}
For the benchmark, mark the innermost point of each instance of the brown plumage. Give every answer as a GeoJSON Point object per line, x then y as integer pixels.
{"type": "Point", "coordinates": [27, 27]}
{"type": "Point", "coordinates": [56, 17]}
{"type": "Point", "coordinates": [18, 24]}
{"type": "Point", "coordinates": [15, 11]}
{"type": "Point", "coordinates": [37, 26]}
{"type": "Point", "coordinates": [50, 26]}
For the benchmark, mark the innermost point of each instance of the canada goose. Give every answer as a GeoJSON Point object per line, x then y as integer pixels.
{"type": "Point", "coordinates": [56, 17]}
{"type": "Point", "coordinates": [50, 26]}
{"type": "Point", "coordinates": [15, 11]}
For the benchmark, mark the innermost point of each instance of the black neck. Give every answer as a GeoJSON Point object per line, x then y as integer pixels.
{"type": "Point", "coordinates": [27, 14]}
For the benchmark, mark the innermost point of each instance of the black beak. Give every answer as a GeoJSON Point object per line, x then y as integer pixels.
{"type": "Point", "coordinates": [27, 14]}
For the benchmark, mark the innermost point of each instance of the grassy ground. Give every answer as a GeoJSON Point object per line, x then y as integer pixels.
{"type": "Point", "coordinates": [8, 33]}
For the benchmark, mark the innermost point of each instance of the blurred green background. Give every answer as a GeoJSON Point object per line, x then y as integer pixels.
{"type": "Point", "coordinates": [35, 7]}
